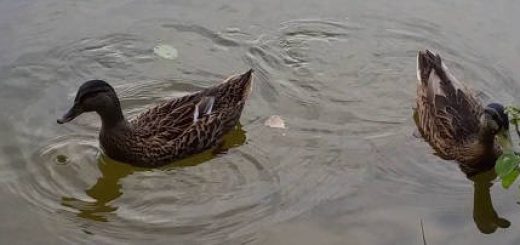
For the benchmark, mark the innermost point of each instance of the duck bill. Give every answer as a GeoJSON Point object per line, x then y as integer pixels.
{"type": "Point", "coordinates": [504, 140]}
{"type": "Point", "coordinates": [70, 115]}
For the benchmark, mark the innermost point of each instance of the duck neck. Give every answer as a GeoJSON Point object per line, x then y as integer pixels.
{"type": "Point", "coordinates": [112, 117]}
{"type": "Point", "coordinates": [487, 138]}
{"type": "Point", "coordinates": [114, 134]}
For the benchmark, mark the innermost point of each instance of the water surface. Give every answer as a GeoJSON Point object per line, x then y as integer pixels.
{"type": "Point", "coordinates": [346, 169]}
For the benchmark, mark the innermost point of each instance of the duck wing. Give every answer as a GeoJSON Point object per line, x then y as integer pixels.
{"type": "Point", "coordinates": [203, 111]}
{"type": "Point", "coordinates": [234, 90]}
{"type": "Point", "coordinates": [168, 119]}
{"type": "Point", "coordinates": [456, 109]}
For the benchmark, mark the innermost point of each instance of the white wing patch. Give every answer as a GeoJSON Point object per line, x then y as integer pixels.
{"type": "Point", "coordinates": [456, 83]}
{"type": "Point", "coordinates": [204, 107]}
{"type": "Point", "coordinates": [418, 71]}
{"type": "Point", "coordinates": [434, 82]}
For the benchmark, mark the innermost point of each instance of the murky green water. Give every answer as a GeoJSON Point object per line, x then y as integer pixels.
{"type": "Point", "coordinates": [346, 169]}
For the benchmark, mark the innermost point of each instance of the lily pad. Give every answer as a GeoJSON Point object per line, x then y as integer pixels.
{"type": "Point", "coordinates": [165, 51]}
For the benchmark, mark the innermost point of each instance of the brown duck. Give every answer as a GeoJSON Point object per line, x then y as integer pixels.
{"type": "Point", "coordinates": [168, 131]}
{"type": "Point", "coordinates": [452, 120]}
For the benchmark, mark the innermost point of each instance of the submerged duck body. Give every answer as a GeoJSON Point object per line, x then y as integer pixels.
{"type": "Point", "coordinates": [452, 120]}
{"type": "Point", "coordinates": [169, 131]}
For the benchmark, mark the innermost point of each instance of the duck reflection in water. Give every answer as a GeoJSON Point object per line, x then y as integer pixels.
{"type": "Point", "coordinates": [108, 186]}
{"type": "Point", "coordinates": [484, 214]}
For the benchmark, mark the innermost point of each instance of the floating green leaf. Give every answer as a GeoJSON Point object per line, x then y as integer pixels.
{"type": "Point", "coordinates": [509, 179]}
{"type": "Point", "coordinates": [513, 114]}
{"type": "Point", "coordinates": [165, 51]}
{"type": "Point", "coordinates": [506, 163]}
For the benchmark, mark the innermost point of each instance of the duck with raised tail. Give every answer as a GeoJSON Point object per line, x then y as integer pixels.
{"type": "Point", "coordinates": [171, 130]}
{"type": "Point", "coordinates": [451, 118]}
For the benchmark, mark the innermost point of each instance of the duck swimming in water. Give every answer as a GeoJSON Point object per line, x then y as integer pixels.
{"type": "Point", "coordinates": [171, 130]}
{"type": "Point", "coordinates": [452, 120]}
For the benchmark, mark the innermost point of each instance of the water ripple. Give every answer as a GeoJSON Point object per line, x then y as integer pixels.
{"type": "Point", "coordinates": [215, 196]}
{"type": "Point", "coordinates": [344, 110]}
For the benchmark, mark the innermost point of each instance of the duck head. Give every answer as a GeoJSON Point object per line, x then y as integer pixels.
{"type": "Point", "coordinates": [494, 121]}
{"type": "Point", "coordinates": [95, 96]}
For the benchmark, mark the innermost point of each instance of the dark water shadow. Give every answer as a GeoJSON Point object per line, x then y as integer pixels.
{"type": "Point", "coordinates": [484, 214]}
{"type": "Point", "coordinates": [108, 187]}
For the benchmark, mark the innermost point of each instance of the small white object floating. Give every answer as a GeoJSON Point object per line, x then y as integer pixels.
{"type": "Point", "coordinates": [165, 51]}
{"type": "Point", "coordinates": [275, 121]}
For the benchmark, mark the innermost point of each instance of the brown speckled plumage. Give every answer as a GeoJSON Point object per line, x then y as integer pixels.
{"type": "Point", "coordinates": [449, 116]}
{"type": "Point", "coordinates": [173, 129]}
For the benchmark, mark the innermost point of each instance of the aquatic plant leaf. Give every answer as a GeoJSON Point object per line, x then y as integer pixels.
{"type": "Point", "coordinates": [509, 179]}
{"type": "Point", "coordinates": [514, 116]}
{"type": "Point", "coordinates": [506, 163]}
{"type": "Point", "coordinates": [165, 51]}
